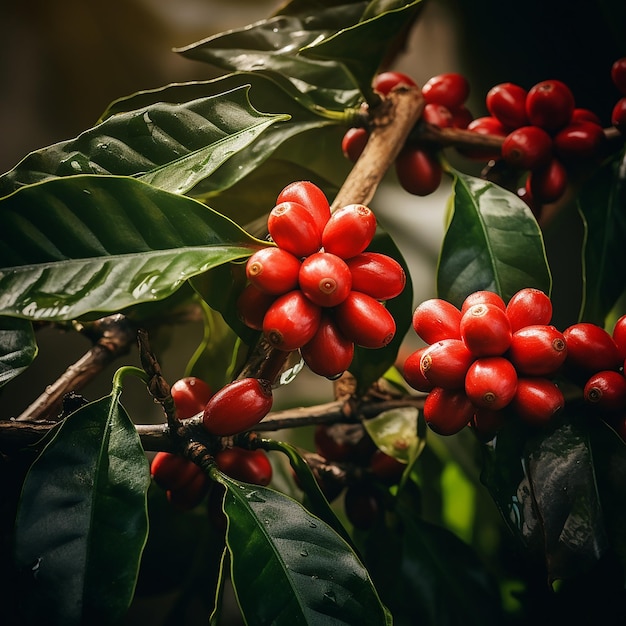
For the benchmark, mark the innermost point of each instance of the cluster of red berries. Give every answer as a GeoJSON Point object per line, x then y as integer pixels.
{"type": "Point", "coordinates": [618, 76]}
{"type": "Point", "coordinates": [349, 445]}
{"type": "Point", "coordinates": [318, 290]}
{"type": "Point", "coordinates": [184, 482]}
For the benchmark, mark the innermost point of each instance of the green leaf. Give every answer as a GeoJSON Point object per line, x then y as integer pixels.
{"type": "Point", "coordinates": [81, 244]}
{"type": "Point", "coordinates": [602, 203]}
{"type": "Point", "coordinates": [493, 242]}
{"type": "Point", "coordinates": [288, 567]}
{"type": "Point", "coordinates": [18, 348]}
{"type": "Point", "coordinates": [81, 524]}
{"type": "Point", "coordinates": [175, 146]}
{"type": "Point", "coordinates": [395, 432]}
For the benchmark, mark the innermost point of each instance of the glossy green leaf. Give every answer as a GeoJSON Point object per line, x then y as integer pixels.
{"type": "Point", "coordinates": [82, 524]}
{"type": "Point", "coordinates": [81, 244]}
{"type": "Point", "coordinates": [18, 347]}
{"type": "Point", "coordinates": [173, 146]}
{"type": "Point", "coordinates": [602, 203]}
{"type": "Point", "coordinates": [288, 567]}
{"type": "Point", "coordinates": [493, 242]}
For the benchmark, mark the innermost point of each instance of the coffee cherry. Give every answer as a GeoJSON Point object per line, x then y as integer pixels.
{"type": "Point", "coordinates": [482, 297]}
{"type": "Point", "coordinates": [384, 82]}
{"type": "Point", "coordinates": [252, 304]}
{"type": "Point", "coordinates": [291, 321]}
{"type": "Point", "coordinates": [547, 184]}
{"type": "Point", "coordinates": [507, 103]}
{"type": "Point", "coordinates": [250, 466]}
{"type": "Point", "coordinates": [349, 231]}
{"type": "Point", "coordinates": [329, 353]}
{"type": "Point", "coordinates": [618, 115]}
{"type": "Point", "coordinates": [580, 114]}
{"type": "Point", "coordinates": [490, 382]}
{"type": "Point", "coordinates": [377, 275]}
{"type": "Point", "coordinates": [487, 125]}
{"type": "Point", "coordinates": [294, 229]}
{"type": "Point", "coordinates": [486, 423]}
{"type": "Point", "coordinates": [173, 471]}
{"type": "Point", "coordinates": [343, 442]}
{"type": "Point", "coordinates": [527, 148]}
{"type": "Point", "coordinates": [461, 117]}
{"type": "Point", "coordinates": [590, 348]}
{"type": "Point", "coordinates": [238, 406]}
{"type": "Point", "coordinates": [273, 270]}
{"type": "Point", "coordinates": [419, 170]}
{"type": "Point", "coordinates": [549, 104]}
{"type": "Point", "coordinates": [619, 335]}
{"type": "Point", "coordinates": [537, 350]}
{"type": "Point", "coordinates": [579, 141]}
{"type": "Point", "coordinates": [437, 319]}
{"type": "Point", "coordinates": [486, 330]}
{"type": "Point", "coordinates": [361, 505]}
{"type": "Point", "coordinates": [386, 468]}
{"type": "Point", "coordinates": [311, 197]}
{"type": "Point", "coordinates": [412, 371]}
{"type": "Point", "coordinates": [527, 307]}
{"type": "Point", "coordinates": [451, 90]}
{"type": "Point", "coordinates": [445, 363]}
{"type": "Point", "coordinates": [325, 279]}
{"type": "Point", "coordinates": [365, 321]}
{"type": "Point", "coordinates": [190, 495]}
{"type": "Point", "coordinates": [354, 142]}
{"type": "Point", "coordinates": [447, 411]}
{"type": "Point", "coordinates": [190, 394]}
{"type": "Point", "coordinates": [606, 390]}
{"type": "Point", "coordinates": [537, 400]}
{"type": "Point", "coordinates": [437, 115]}
{"type": "Point", "coordinates": [618, 74]}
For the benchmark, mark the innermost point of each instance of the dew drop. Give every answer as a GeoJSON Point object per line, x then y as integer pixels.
{"type": "Point", "coordinates": [330, 596]}
{"type": "Point", "coordinates": [312, 524]}
{"type": "Point", "coordinates": [304, 552]}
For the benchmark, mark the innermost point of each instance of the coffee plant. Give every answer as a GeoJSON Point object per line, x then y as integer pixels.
{"type": "Point", "coordinates": [471, 465]}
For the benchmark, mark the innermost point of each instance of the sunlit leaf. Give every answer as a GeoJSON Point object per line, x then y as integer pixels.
{"type": "Point", "coordinates": [395, 432]}
{"type": "Point", "coordinates": [82, 244]}
{"type": "Point", "coordinates": [493, 242]}
{"type": "Point", "coordinates": [82, 524]}
{"type": "Point", "coordinates": [17, 347]}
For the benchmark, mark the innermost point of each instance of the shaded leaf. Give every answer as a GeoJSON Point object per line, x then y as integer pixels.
{"type": "Point", "coordinates": [602, 202]}
{"type": "Point", "coordinates": [18, 347]}
{"type": "Point", "coordinates": [174, 146]}
{"type": "Point", "coordinates": [83, 244]}
{"type": "Point", "coordinates": [288, 567]}
{"type": "Point", "coordinates": [82, 524]}
{"type": "Point", "coordinates": [493, 242]}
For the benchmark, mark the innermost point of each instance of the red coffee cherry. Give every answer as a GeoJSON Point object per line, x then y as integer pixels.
{"type": "Point", "coordinates": [349, 231]}
{"type": "Point", "coordinates": [329, 353]}
{"type": "Point", "coordinates": [311, 197]}
{"type": "Point", "coordinates": [482, 297]}
{"type": "Point", "coordinates": [190, 495]}
{"type": "Point", "coordinates": [250, 466]}
{"type": "Point", "coordinates": [486, 423]}
{"type": "Point", "coordinates": [487, 125]}
{"type": "Point", "coordinates": [590, 348]}
{"type": "Point", "coordinates": [547, 184]}
{"type": "Point", "coordinates": [190, 394]}
{"type": "Point", "coordinates": [325, 279]}
{"type": "Point", "coordinates": [618, 115]}
{"type": "Point", "coordinates": [527, 307]}
{"type": "Point", "coordinates": [447, 411]}
{"type": "Point", "coordinates": [437, 115]}
{"type": "Point", "coordinates": [294, 229]}
{"type": "Point", "coordinates": [291, 321]}
{"type": "Point", "coordinates": [252, 304]}
{"type": "Point", "coordinates": [490, 382]}
{"type": "Point", "coordinates": [580, 114]}
{"type": "Point", "coordinates": [485, 330]}
{"type": "Point", "coordinates": [618, 74]}
{"type": "Point", "coordinates": [537, 400]}
{"type": "Point", "coordinates": [619, 335]}
{"type": "Point", "coordinates": [412, 371]}
{"type": "Point", "coordinates": [377, 275]}
{"type": "Point", "coordinates": [173, 471]}
{"type": "Point", "coordinates": [527, 148]}
{"type": "Point", "coordinates": [507, 103]}
{"type": "Point", "coordinates": [386, 468]}
{"type": "Point", "coordinates": [436, 319]}
{"type": "Point", "coordinates": [445, 363]}
{"type": "Point", "coordinates": [462, 117]}
{"type": "Point", "coordinates": [384, 82]}
{"type": "Point", "coordinates": [344, 442]}
{"type": "Point", "coordinates": [537, 350]}
{"type": "Point", "coordinates": [606, 390]}
{"type": "Point", "coordinates": [273, 270]}
{"type": "Point", "coordinates": [579, 141]}
{"type": "Point", "coordinates": [419, 170]}
{"type": "Point", "coordinates": [550, 104]}
{"type": "Point", "coordinates": [365, 321]}
{"type": "Point", "coordinates": [361, 505]}
{"type": "Point", "coordinates": [354, 142]}
{"type": "Point", "coordinates": [451, 90]}
{"type": "Point", "coordinates": [238, 406]}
